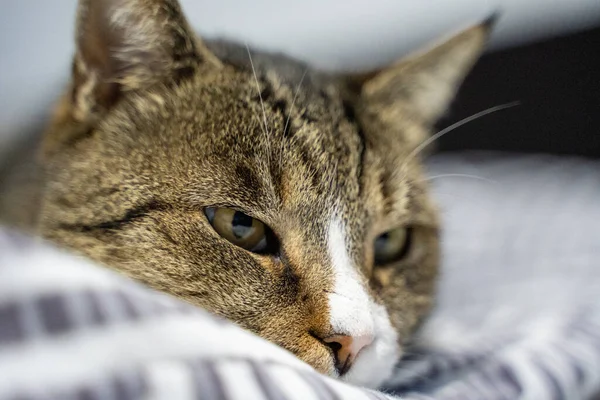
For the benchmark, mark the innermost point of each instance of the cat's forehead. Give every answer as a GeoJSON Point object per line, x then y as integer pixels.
{"type": "Point", "coordinates": [265, 136]}
{"type": "Point", "coordinates": [288, 138]}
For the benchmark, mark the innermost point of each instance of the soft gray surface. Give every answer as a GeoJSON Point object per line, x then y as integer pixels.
{"type": "Point", "coordinates": [519, 305]}
{"type": "Point", "coordinates": [534, 230]}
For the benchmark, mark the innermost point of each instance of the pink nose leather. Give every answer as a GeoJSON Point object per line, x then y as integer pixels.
{"type": "Point", "coordinates": [346, 348]}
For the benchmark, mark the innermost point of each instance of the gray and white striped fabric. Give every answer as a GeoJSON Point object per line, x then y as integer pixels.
{"type": "Point", "coordinates": [70, 330]}
{"type": "Point", "coordinates": [518, 314]}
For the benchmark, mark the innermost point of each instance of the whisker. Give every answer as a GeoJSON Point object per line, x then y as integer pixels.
{"type": "Point", "coordinates": [452, 195]}
{"type": "Point", "coordinates": [294, 100]}
{"type": "Point", "coordinates": [266, 127]}
{"type": "Point", "coordinates": [454, 126]}
{"type": "Point", "coordinates": [290, 114]}
{"type": "Point", "coordinates": [479, 178]}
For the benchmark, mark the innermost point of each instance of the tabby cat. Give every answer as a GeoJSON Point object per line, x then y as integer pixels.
{"type": "Point", "coordinates": [288, 200]}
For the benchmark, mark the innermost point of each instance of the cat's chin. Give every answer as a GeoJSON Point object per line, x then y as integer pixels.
{"type": "Point", "coordinates": [375, 363]}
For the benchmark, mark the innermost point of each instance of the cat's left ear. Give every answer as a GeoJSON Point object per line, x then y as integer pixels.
{"type": "Point", "coordinates": [124, 45]}
{"type": "Point", "coordinates": [421, 85]}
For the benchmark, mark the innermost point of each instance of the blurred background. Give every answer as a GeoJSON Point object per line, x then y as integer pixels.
{"type": "Point", "coordinates": [544, 53]}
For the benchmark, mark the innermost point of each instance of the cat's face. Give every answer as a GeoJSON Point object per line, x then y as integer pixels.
{"type": "Point", "coordinates": [301, 213]}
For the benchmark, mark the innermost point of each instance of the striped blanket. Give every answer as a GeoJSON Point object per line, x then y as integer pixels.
{"type": "Point", "coordinates": [71, 330]}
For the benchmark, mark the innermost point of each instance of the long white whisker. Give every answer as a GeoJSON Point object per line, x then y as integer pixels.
{"type": "Point", "coordinates": [294, 100]}
{"type": "Point", "coordinates": [262, 104]}
{"type": "Point", "coordinates": [454, 126]}
{"type": "Point", "coordinates": [479, 178]}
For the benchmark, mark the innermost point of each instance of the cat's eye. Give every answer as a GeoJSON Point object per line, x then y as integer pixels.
{"type": "Point", "coordinates": [393, 245]}
{"type": "Point", "coordinates": [242, 230]}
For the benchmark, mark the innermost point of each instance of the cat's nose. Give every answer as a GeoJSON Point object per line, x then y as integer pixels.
{"type": "Point", "coordinates": [346, 348]}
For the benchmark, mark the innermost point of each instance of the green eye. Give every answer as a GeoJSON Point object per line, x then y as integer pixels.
{"type": "Point", "coordinates": [393, 245]}
{"type": "Point", "coordinates": [242, 230]}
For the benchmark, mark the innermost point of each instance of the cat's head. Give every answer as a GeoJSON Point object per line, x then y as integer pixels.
{"type": "Point", "coordinates": [288, 201]}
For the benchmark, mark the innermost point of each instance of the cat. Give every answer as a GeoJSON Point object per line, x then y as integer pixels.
{"type": "Point", "coordinates": [289, 200]}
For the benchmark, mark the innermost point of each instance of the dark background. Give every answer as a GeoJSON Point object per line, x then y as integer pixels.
{"type": "Point", "coordinates": [558, 84]}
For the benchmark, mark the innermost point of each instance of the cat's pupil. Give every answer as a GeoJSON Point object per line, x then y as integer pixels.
{"type": "Point", "coordinates": [392, 245]}
{"type": "Point", "coordinates": [381, 241]}
{"type": "Point", "coordinates": [241, 224]}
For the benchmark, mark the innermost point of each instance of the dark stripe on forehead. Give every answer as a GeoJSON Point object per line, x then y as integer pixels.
{"type": "Point", "coordinates": [351, 117]}
{"type": "Point", "coordinates": [247, 177]}
{"type": "Point", "coordinates": [386, 190]}
{"type": "Point", "coordinates": [277, 104]}
{"type": "Point", "coordinates": [266, 91]}
{"type": "Point", "coordinates": [312, 166]}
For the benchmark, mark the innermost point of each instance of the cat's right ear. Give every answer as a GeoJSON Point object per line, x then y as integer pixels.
{"type": "Point", "coordinates": [124, 45]}
{"type": "Point", "coordinates": [417, 88]}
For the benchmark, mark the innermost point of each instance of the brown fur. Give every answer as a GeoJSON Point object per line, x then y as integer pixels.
{"type": "Point", "coordinates": [158, 125]}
